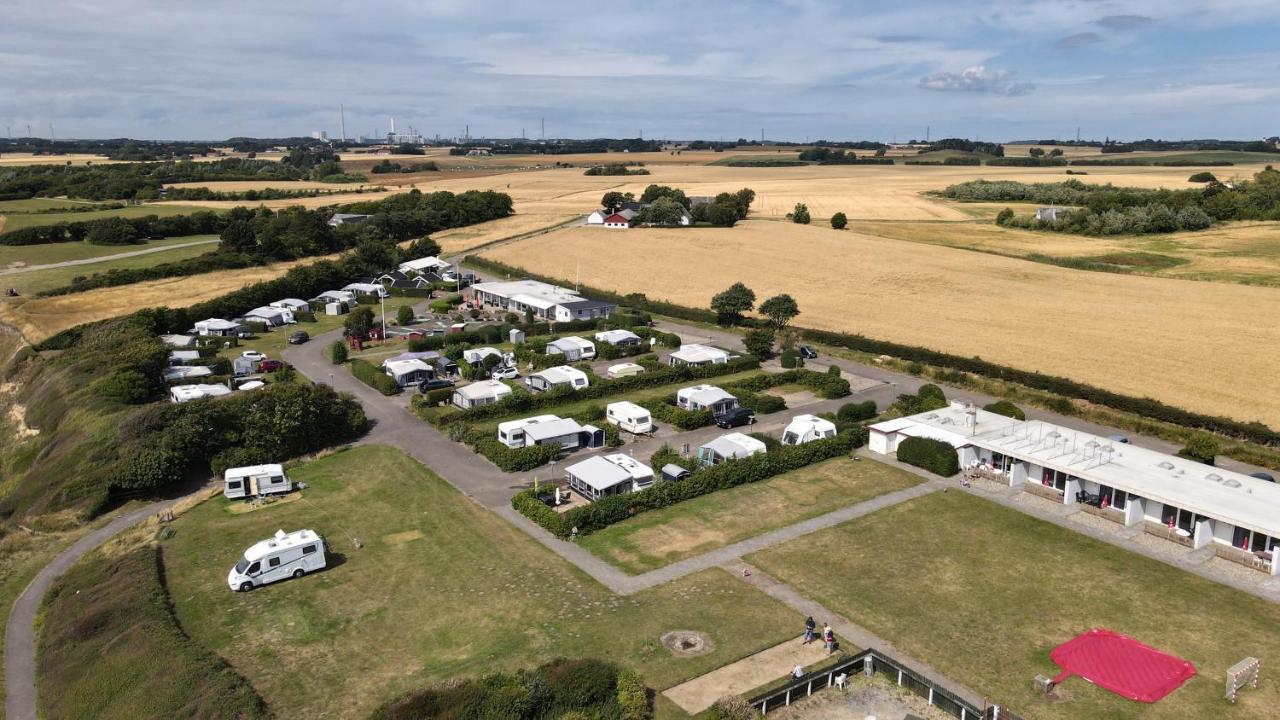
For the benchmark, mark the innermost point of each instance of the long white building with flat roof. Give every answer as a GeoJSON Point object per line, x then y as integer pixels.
{"type": "Point", "coordinates": [1182, 500]}
{"type": "Point", "coordinates": [548, 302]}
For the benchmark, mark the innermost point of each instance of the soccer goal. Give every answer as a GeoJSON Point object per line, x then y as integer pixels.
{"type": "Point", "coordinates": [1242, 674]}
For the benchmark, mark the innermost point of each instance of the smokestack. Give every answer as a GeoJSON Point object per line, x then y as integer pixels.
{"type": "Point", "coordinates": [342, 120]}
{"type": "Point", "coordinates": [393, 126]}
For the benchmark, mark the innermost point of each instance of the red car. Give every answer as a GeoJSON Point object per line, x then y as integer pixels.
{"type": "Point", "coordinates": [270, 365]}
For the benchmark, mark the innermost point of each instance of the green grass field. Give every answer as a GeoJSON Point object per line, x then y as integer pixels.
{"type": "Point", "coordinates": [64, 252]}
{"type": "Point", "coordinates": [33, 281]}
{"type": "Point", "coordinates": [983, 593]}
{"type": "Point", "coordinates": [439, 588]}
{"type": "Point", "coordinates": [15, 222]}
{"type": "Point", "coordinates": [38, 204]}
{"type": "Point", "coordinates": [660, 537]}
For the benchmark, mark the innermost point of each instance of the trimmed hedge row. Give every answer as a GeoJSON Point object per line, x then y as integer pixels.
{"type": "Point", "coordinates": [369, 374]}
{"type": "Point", "coordinates": [936, 456]}
{"type": "Point", "coordinates": [514, 459]}
{"type": "Point", "coordinates": [616, 508]}
{"type": "Point", "coordinates": [663, 410]}
{"type": "Point", "coordinates": [823, 385]}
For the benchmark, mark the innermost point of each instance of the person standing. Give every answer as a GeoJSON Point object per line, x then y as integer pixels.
{"type": "Point", "coordinates": [809, 627]}
{"type": "Point", "coordinates": [828, 638]}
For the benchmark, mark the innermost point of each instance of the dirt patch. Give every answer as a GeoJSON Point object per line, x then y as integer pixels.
{"type": "Point", "coordinates": [687, 643]}
{"type": "Point", "coordinates": [862, 698]}
{"type": "Point", "coordinates": [401, 538]}
{"type": "Point", "coordinates": [743, 676]}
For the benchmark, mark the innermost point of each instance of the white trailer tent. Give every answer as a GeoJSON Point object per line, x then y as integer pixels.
{"type": "Point", "coordinates": [475, 356]}
{"type": "Point", "coordinates": [421, 266]}
{"type": "Point", "coordinates": [697, 355]}
{"type": "Point", "coordinates": [807, 428]}
{"type": "Point", "coordinates": [629, 416]}
{"type": "Point", "coordinates": [620, 338]}
{"type": "Point", "coordinates": [285, 555]}
{"type": "Point", "coordinates": [185, 372]}
{"type": "Point", "coordinates": [359, 288]}
{"type": "Point", "coordinates": [616, 474]}
{"type": "Point", "coordinates": [706, 397]}
{"type": "Point", "coordinates": [573, 348]}
{"type": "Point", "coordinates": [565, 432]}
{"type": "Point", "coordinates": [511, 433]}
{"type": "Point", "coordinates": [623, 370]}
{"type": "Point", "coordinates": [270, 316]}
{"type": "Point", "coordinates": [217, 327]}
{"type": "Point", "coordinates": [484, 392]}
{"type": "Point", "coordinates": [408, 372]}
{"type": "Point", "coordinates": [1174, 498]}
{"type": "Point", "coordinates": [558, 376]}
{"type": "Point", "coordinates": [187, 393]}
{"type": "Point", "coordinates": [344, 297]}
{"type": "Point", "coordinates": [293, 305]}
{"type": "Point", "coordinates": [255, 481]}
{"type": "Point", "coordinates": [729, 447]}
{"type": "Point", "coordinates": [183, 357]}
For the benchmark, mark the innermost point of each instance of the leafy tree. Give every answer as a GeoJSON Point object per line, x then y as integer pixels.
{"type": "Point", "coordinates": [112, 231]}
{"type": "Point", "coordinates": [1004, 216]}
{"type": "Point", "coordinates": [664, 211]}
{"type": "Point", "coordinates": [421, 248]}
{"type": "Point", "coordinates": [405, 315]}
{"type": "Point", "coordinates": [338, 352]}
{"type": "Point", "coordinates": [238, 236]}
{"type": "Point", "coordinates": [732, 303]}
{"type": "Point", "coordinates": [759, 342]}
{"type": "Point", "coordinates": [800, 215]}
{"type": "Point", "coordinates": [127, 386]}
{"type": "Point", "coordinates": [1006, 408]}
{"type": "Point", "coordinates": [359, 322]}
{"type": "Point", "coordinates": [1056, 152]}
{"type": "Point", "coordinates": [721, 214]}
{"type": "Point", "coordinates": [653, 192]}
{"type": "Point", "coordinates": [839, 221]}
{"type": "Point", "coordinates": [1036, 152]}
{"type": "Point", "coordinates": [1201, 448]}
{"type": "Point", "coordinates": [780, 309]}
{"type": "Point", "coordinates": [613, 200]}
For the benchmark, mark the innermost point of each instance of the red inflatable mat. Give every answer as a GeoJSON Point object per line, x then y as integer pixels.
{"type": "Point", "coordinates": [1122, 665]}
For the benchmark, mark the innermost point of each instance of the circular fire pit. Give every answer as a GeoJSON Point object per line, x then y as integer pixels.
{"type": "Point", "coordinates": [687, 643]}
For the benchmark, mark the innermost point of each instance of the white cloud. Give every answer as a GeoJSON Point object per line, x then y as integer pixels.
{"type": "Point", "coordinates": [978, 79]}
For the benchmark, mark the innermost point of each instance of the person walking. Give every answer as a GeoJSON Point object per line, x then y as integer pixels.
{"type": "Point", "coordinates": [809, 627]}
{"type": "Point", "coordinates": [828, 638]}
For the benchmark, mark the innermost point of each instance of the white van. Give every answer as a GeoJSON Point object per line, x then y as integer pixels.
{"type": "Point", "coordinates": [255, 481]}
{"type": "Point", "coordinates": [630, 417]}
{"type": "Point", "coordinates": [285, 555]}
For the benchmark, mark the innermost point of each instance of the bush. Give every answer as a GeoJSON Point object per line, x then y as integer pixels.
{"type": "Point", "coordinates": [800, 215]}
{"type": "Point", "coordinates": [404, 315]}
{"type": "Point", "coordinates": [514, 459]}
{"type": "Point", "coordinates": [1201, 448]}
{"type": "Point", "coordinates": [338, 352]}
{"type": "Point", "coordinates": [759, 342]}
{"type": "Point", "coordinates": [440, 395]}
{"type": "Point", "coordinates": [1203, 176]}
{"type": "Point", "coordinates": [633, 696]}
{"type": "Point", "coordinates": [131, 387]}
{"type": "Point", "coordinates": [936, 456]}
{"type": "Point", "coordinates": [790, 359]}
{"type": "Point", "coordinates": [1004, 216]}
{"type": "Point", "coordinates": [1006, 408]}
{"type": "Point", "coordinates": [733, 707]}
{"type": "Point", "coordinates": [839, 221]}
{"type": "Point", "coordinates": [373, 376]}
{"type": "Point", "coordinates": [857, 411]}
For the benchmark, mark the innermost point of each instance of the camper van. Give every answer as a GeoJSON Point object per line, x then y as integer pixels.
{"type": "Point", "coordinates": [284, 555]}
{"type": "Point", "coordinates": [255, 481]}
{"type": "Point", "coordinates": [630, 417]}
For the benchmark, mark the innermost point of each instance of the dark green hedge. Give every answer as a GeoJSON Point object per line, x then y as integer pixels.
{"type": "Point", "coordinates": [936, 456]}
{"type": "Point", "coordinates": [371, 375]}
{"type": "Point", "coordinates": [1006, 408]}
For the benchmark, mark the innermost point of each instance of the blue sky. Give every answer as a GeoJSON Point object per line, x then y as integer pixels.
{"type": "Point", "coordinates": [801, 69]}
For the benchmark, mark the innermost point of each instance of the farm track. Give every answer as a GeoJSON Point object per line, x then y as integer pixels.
{"type": "Point", "coordinates": [103, 258]}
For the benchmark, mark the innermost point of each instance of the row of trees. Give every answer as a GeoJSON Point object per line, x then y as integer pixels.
{"type": "Point", "coordinates": [386, 166]}
{"type": "Point", "coordinates": [666, 206]}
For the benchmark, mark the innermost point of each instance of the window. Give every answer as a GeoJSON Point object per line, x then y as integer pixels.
{"type": "Point", "coordinates": [1055, 479]}
{"type": "Point", "coordinates": [308, 549]}
{"type": "Point", "coordinates": [1262, 542]}
{"type": "Point", "coordinates": [273, 562]}
{"type": "Point", "coordinates": [254, 568]}
{"type": "Point", "coordinates": [233, 484]}
{"type": "Point", "coordinates": [1240, 538]}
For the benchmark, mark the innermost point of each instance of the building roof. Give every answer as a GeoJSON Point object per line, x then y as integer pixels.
{"type": "Point", "coordinates": [336, 295]}
{"type": "Point", "coordinates": [704, 395]}
{"type": "Point", "coordinates": [473, 355]}
{"type": "Point", "coordinates": [250, 470]}
{"type": "Point", "coordinates": [636, 469]}
{"type": "Point", "coordinates": [548, 429]}
{"type": "Point", "coordinates": [184, 355]}
{"type": "Point", "coordinates": [339, 218]}
{"type": "Point", "coordinates": [622, 367]}
{"type": "Point", "coordinates": [484, 389]}
{"type": "Point", "coordinates": [613, 337]}
{"type": "Point", "coordinates": [694, 353]}
{"type": "Point", "coordinates": [560, 374]}
{"type": "Point", "coordinates": [404, 367]}
{"type": "Point", "coordinates": [599, 473]}
{"type": "Point", "coordinates": [280, 541]}
{"type": "Point", "coordinates": [266, 311]}
{"type": "Point", "coordinates": [531, 288]}
{"type": "Point", "coordinates": [363, 287]}
{"type": "Point", "coordinates": [423, 264]}
{"type": "Point", "coordinates": [218, 324]}
{"type": "Point", "coordinates": [579, 305]}
{"type": "Point", "coordinates": [424, 355]}
{"type": "Point", "coordinates": [571, 343]}
{"type": "Point", "coordinates": [1229, 496]}
{"type": "Point", "coordinates": [525, 422]}
{"type": "Point", "coordinates": [291, 303]}
{"type": "Point", "coordinates": [735, 445]}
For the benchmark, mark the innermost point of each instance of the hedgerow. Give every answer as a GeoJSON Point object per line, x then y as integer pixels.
{"type": "Point", "coordinates": [369, 374]}
{"type": "Point", "coordinates": [936, 456]}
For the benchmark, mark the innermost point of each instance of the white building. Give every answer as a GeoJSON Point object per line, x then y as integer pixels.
{"type": "Point", "coordinates": [408, 372]}
{"type": "Point", "coordinates": [219, 327]}
{"type": "Point", "coordinates": [346, 219]}
{"type": "Point", "coordinates": [359, 288]}
{"type": "Point", "coordinates": [558, 376]}
{"type": "Point", "coordinates": [511, 432]}
{"type": "Point", "coordinates": [615, 474]}
{"type": "Point", "coordinates": [729, 447]}
{"type": "Point", "coordinates": [573, 348]}
{"type": "Point", "coordinates": [424, 265]}
{"type": "Point", "coordinates": [270, 316]}
{"type": "Point", "coordinates": [705, 397]}
{"type": "Point", "coordinates": [629, 416]}
{"type": "Point", "coordinates": [547, 302]}
{"type": "Point", "coordinates": [187, 393]}
{"type": "Point", "coordinates": [1181, 500]}
{"type": "Point", "coordinates": [807, 428]}
{"type": "Point", "coordinates": [696, 355]}
{"type": "Point", "coordinates": [484, 392]}
{"type": "Point", "coordinates": [618, 337]}
{"type": "Point", "coordinates": [255, 480]}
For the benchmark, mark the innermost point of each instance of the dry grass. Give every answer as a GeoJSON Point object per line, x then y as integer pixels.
{"type": "Point", "coordinates": [465, 238]}
{"type": "Point", "coordinates": [1204, 346]}
{"type": "Point", "coordinates": [245, 185]}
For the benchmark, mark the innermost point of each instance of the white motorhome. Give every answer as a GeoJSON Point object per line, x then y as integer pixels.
{"type": "Point", "coordinates": [255, 481]}
{"type": "Point", "coordinates": [630, 417]}
{"type": "Point", "coordinates": [284, 555]}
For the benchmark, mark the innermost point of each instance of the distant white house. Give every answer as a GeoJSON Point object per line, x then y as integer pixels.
{"type": "Point", "coordinates": [706, 397]}
{"type": "Point", "coordinates": [293, 305]}
{"type": "Point", "coordinates": [185, 372]}
{"type": "Point", "coordinates": [697, 355]}
{"type": "Point", "coordinates": [361, 288]}
{"type": "Point", "coordinates": [807, 428]}
{"type": "Point", "coordinates": [558, 376]}
{"type": "Point", "coordinates": [629, 416]}
{"type": "Point", "coordinates": [545, 301]}
{"type": "Point", "coordinates": [424, 265]}
{"type": "Point", "coordinates": [219, 327]}
{"type": "Point", "coordinates": [187, 393]}
{"type": "Point", "coordinates": [601, 476]}
{"type": "Point", "coordinates": [623, 370]}
{"type": "Point", "coordinates": [573, 348]}
{"type": "Point", "coordinates": [408, 372]}
{"type": "Point", "coordinates": [484, 392]}
{"type": "Point", "coordinates": [511, 432]}
{"type": "Point", "coordinates": [618, 337]}
{"type": "Point", "coordinates": [729, 447]}
{"type": "Point", "coordinates": [270, 316]}
{"type": "Point", "coordinates": [346, 219]}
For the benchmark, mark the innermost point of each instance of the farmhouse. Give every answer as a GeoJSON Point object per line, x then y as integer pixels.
{"type": "Point", "coordinates": [623, 370]}
{"type": "Point", "coordinates": [548, 302]}
{"type": "Point", "coordinates": [1174, 498]}
{"type": "Point", "coordinates": [550, 430]}
{"type": "Point", "coordinates": [484, 392]}
{"type": "Point", "coordinates": [408, 372]}
{"type": "Point", "coordinates": [424, 265]}
{"type": "Point", "coordinates": [601, 476]}
{"type": "Point", "coordinates": [807, 428]}
{"type": "Point", "coordinates": [366, 288]}
{"type": "Point", "coordinates": [346, 219]}
{"type": "Point", "coordinates": [620, 219]}
{"type": "Point", "coordinates": [729, 447]}
{"type": "Point", "coordinates": [187, 393]}
{"type": "Point", "coordinates": [621, 338]}
{"type": "Point", "coordinates": [269, 316]}
{"type": "Point", "coordinates": [573, 348]}
{"type": "Point", "coordinates": [705, 397]}
{"type": "Point", "coordinates": [293, 305]}
{"type": "Point", "coordinates": [185, 372]}
{"type": "Point", "coordinates": [219, 328]}
{"type": "Point", "coordinates": [558, 376]}
{"type": "Point", "coordinates": [697, 355]}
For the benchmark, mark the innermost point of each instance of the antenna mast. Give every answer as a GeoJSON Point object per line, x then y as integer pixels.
{"type": "Point", "coordinates": [342, 121]}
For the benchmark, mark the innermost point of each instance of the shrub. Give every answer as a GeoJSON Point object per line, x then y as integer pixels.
{"type": "Point", "coordinates": [857, 411]}
{"type": "Point", "coordinates": [1006, 408]}
{"type": "Point", "coordinates": [1203, 176]}
{"type": "Point", "coordinates": [800, 215]}
{"type": "Point", "coordinates": [514, 459]}
{"type": "Point", "coordinates": [733, 707]}
{"type": "Point", "coordinates": [338, 352]}
{"type": "Point", "coordinates": [1201, 448]}
{"type": "Point", "coordinates": [131, 387]}
{"type": "Point", "coordinates": [759, 342]}
{"type": "Point", "coordinates": [790, 359]}
{"type": "Point", "coordinates": [1004, 216]}
{"type": "Point", "coordinates": [371, 375]}
{"type": "Point", "coordinates": [440, 395]}
{"type": "Point", "coordinates": [936, 456]}
{"type": "Point", "coordinates": [404, 315]}
{"type": "Point", "coordinates": [633, 696]}
{"type": "Point", "coordinates": [839, 221]}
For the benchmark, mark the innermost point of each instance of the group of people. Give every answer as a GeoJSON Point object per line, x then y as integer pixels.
{"type": "Point", "coordinates": [828, 635]}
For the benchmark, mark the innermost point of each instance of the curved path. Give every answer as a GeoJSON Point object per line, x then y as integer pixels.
{"type": "Point", "coordinates": [104, 258]}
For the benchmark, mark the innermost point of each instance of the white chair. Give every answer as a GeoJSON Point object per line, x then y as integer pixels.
{"type": "Point", "coordinates": [841, 679]}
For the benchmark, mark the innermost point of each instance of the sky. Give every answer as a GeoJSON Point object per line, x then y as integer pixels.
{"type": "Point", "coordinates": [799, 70]}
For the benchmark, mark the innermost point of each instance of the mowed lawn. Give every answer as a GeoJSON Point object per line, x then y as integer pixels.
{"type": "Point", "coordinates": [15, 221]}
{"type": "Point", "coordinates": [34, 281]}
{"type": "Point", "coordinates": [439, 588]}
{"type": "Point", "coordinates": [70, 251]}
{"type": "Point", "coordinates": [983, 593]}
{"type": "Point", "coordinates": [660, 537]}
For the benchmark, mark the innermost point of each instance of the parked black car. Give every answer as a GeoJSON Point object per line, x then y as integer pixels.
{"type": "Point", "coordinates": [736, 417]}
{"type": "Point", "coordinates": [427, 386]}
{"type": "Point", "coordinates": [299, 337]}
{"type": "Point", "coordinates": [807, 352]}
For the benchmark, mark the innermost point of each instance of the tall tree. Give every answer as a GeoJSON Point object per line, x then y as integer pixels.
{"type": "Point", "coordinates": [780, 309]}
{"type": "Point", "coordinates": [613, 200]}
{"type": "Point", "coordinates": [664, 211]}
{"type": "Point", "coordinates": [800, 215]}
{"type": "Point", "coordinates": [732, 303]}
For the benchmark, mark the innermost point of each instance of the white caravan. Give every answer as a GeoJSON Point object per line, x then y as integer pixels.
{"type": "Point", "coordinates": [255, 481]}
{"type": "Point", "coordinates": [285, 555]}
{"type": "Point", "coordinates": [630, 417]}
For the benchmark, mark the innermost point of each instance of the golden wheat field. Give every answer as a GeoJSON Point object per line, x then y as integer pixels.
{"type": "Point", "coordinates": [1205, 346]}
